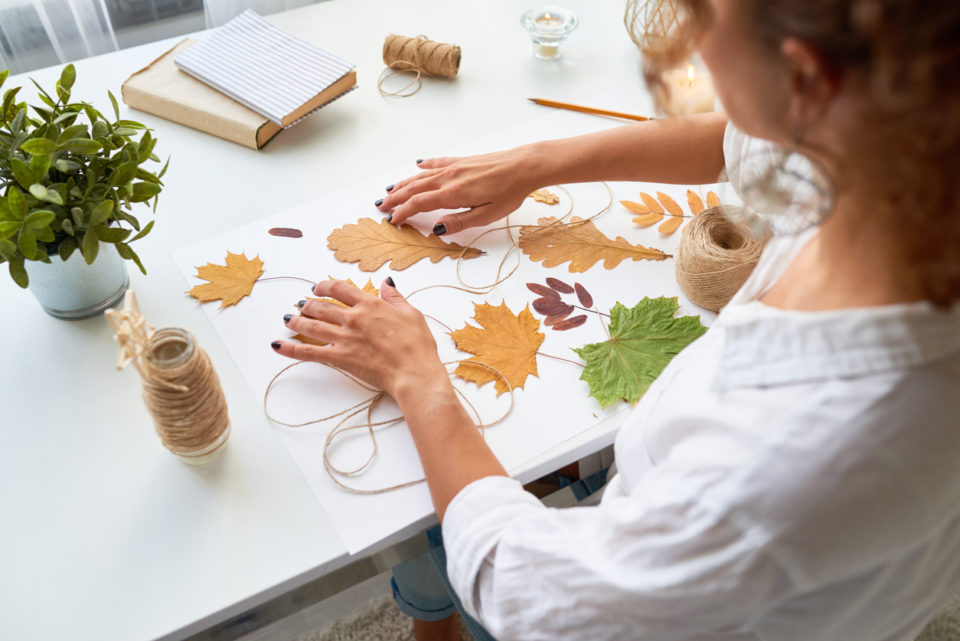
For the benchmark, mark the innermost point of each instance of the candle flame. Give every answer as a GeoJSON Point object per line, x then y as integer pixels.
{"type": "Point", "coordinates": [547, 16]}
{"type": "Point", "coordinates": [691, 72]}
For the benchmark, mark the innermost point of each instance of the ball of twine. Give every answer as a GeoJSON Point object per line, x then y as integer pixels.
{"type": "Point", "coordinates": [716, 256]}
{"type": "Point", "coordinates": [420, 55]}
{"type": "Point", "coordinates": [183, 394]}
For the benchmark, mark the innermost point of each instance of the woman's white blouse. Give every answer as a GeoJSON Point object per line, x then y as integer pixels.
{"type": "Point", "coordinates": [790, 476]}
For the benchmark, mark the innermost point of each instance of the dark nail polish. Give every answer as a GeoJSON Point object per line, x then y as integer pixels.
{"type": "Point", "coordinates": [378, 203]}
{"type": "Point", "coordinates": [419, 160]}
{"type": "Point", "coordinates": [301, 303]}
{"type": "Point", "coordinates": [390, 188]}
{"type": "Point", "coordinates": [439, 229]}
{"type": "Point", "coordinates": [390, 218]}
{"type": "Point", "coordinates": [287, 317]}
{"type": "Point", "coordinates": [390, 281]}
{"type": "Point", "coordinates": [275, 345]}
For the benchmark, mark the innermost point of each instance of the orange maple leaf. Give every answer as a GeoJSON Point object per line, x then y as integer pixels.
{"type": "Point", "coordinates": [504, 341]}
{"type": "Point", "coordinates": [580, 243]}
{"type": "Point", "coordinates": [372, 244]}
{"type": "Point", "coordinates": [229, 282]}
{"type": "Point", "coordinates": [368, 288]}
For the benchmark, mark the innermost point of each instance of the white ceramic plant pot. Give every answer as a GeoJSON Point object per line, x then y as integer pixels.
{"type": "Point", "coordinates": [72, 289]}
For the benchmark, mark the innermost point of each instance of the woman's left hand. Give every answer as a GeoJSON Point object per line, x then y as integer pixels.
{"type": "Point", "coordinates": [383, 341]}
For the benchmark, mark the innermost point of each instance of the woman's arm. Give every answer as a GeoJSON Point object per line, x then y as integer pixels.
{"type": "Point", "coordinates": [490, 186]}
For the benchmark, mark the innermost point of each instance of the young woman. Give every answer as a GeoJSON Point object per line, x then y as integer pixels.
{"type": "Point", "coordinates": [792, 473]}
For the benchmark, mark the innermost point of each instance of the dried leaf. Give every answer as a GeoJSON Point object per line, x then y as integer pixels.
{"type": "Point", "coordinates": [552, 307]}
{"type": "Point", "coordinates": [712, 199]}
{"type": "Point", "coordinates": [371, 245]}
{"type": "Point", "coordinates": [559, 285]}
{"type": "Point", "coordinates": [287, 232]}
{"type": "Point", "coordinates": [670, 225]}
{"type": "Point", "coordinates": [583, 295]}
{"type": "Point", "coordinates": [695, 202]}
{"type": "Point", "coordinates": [550, 320]}
{"type": "Point", "coordinates": [368, 288]}
{"type": "Point", "coordinates": [648, 219]}
{"type": "Point", "coordinates": [642, 341]}
{"type": "Point", "coordinates": [582, 245]}
{"type": "Point", "coordinates": [570, 323]}
{"type": "Point", "coordinates": [504, 341]}
{"type": "Point", "coordinates": [670, 204]}
{"type": "Point", "coordinates": [652, 203]}
{"type": "Point", "coordinates": [229, 282]}
{"type": "Point", "coordinates": [635, 208]}
{"type": "Point", "coordinates": [541, 290]}
{"type": "Point", "coordinates": [545, 197]}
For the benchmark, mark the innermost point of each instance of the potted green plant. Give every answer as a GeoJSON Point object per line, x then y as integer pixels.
{"type": "Point", "coordinates": [69, 178]}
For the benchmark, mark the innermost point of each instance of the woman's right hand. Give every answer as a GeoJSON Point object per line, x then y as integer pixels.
{"type": "Point", "coordinates": [487, 187]}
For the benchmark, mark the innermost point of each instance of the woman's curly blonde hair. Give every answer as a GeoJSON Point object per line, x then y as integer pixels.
{"type": "Point", "coordinates": [908, 55]}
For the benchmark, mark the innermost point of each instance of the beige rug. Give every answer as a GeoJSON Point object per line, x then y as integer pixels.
{"type": "Point", "coordinates": [380, 620]}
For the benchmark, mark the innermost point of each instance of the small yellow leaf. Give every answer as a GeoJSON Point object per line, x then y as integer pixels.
{"type": "Point", "coordinates": [635, 208]}
{"type": "Point", "coordinates": [648, 219]}
{"type": "Point", "coordinates": [652, 203]}
{"type": "Point", "coordinates": [545, 197]}
{"type": "Point", "coordinates": [712, 199]}
{"type": "Point", "coordinates": [670, 204]}
{"type": "Point", "coordinates": [695, 202]}
{"type": "Point", "coordinates": [229, 282]}
{"type": "Point", "coordinates": [504, 341]}
{"type": "Point", "coordinates": [372, 245]}
{"type": "Point", "coordinates": [580, 243]}
{"type": "Point", "coordinates": [670, 225]}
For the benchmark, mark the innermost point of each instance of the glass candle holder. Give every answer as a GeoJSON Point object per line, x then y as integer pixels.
{"type": "Point", "coordinates": [548, 28]}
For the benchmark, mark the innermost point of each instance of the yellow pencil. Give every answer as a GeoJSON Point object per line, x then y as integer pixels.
{"type": "Point", "coordinates": [587, 110]}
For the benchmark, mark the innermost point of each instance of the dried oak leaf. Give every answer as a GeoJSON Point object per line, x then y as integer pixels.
{"type": "Point", "coordinates": [229, 282]}
{"type": "Point", "coordinates": [504, 341]}
{"type": "Point", "coordinates": [545, 197]}
{"type": "Point", "coordinates": [372, 244]}
{"type": "Point", "coordinates": [642, 341]}
{"type": "Point", "coordinates": [583, 245]}
{"type": "Point", "coordinates": [368, 288]}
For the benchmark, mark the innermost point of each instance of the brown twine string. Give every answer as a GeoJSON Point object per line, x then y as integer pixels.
{"type": "Point", "coordinates": [180, 386]}
{"type": "Point", "coordinates": [368, 405]}
{"type": "Point", "coordinates": [420, 56]}
{"type": "Point", "coordinates": [715, 257]}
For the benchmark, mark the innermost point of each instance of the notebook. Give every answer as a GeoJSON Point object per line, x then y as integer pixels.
{"type": "Point", "coordinates": [269, 71]}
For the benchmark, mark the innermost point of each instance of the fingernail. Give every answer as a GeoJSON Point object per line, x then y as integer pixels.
{"type": "Point", "coordinates": [390, 188]}
{"type": "Point", "coordinates": [287, 317]}
{"type": "Point", "coordinates": [390, 282]}
{"type": "Point", "coordinates": [439, 229]}
{"type": "Point", "coordinates": [301, 303]}
{"type": "Point", "coordinates": [378, 203]}
{"type": "Point", "coordinates": [275, 345]}
{"type": "Point", "coordinates": [390, 218]}
{"type": "Point", "coordinates": [419, 160]}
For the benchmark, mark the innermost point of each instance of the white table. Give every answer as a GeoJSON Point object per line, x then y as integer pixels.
{"type": "Point", "coordinates": [105, 535]}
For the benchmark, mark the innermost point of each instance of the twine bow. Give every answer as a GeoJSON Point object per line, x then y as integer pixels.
{"type": "Point", "coordinates": [131, 331]}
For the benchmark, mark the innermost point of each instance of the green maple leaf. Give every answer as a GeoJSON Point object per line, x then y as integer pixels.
{"type": "Point", "coordinates": [643, 339]}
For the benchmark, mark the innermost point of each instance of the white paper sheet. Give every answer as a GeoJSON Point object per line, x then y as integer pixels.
{"type": "Point", "coordinates": [548, 410]}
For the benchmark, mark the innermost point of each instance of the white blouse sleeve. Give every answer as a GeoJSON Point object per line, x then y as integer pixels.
{"type": "Point", "coordinates": [656, 564]}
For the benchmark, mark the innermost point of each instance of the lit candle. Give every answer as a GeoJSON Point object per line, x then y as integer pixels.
{"type": "Point", "coordinates": [548, 20]}
{"type": "Point", "coordinates": [690, 93]}
{"type": "Point", "coordinates": [548, 28]}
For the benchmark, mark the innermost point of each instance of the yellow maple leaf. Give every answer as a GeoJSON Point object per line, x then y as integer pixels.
{"type": "Point", "coordinates": [545, 197]}
{"type": "Point", "coordinates": [581, 244]}
{"type": "Point", "coordinates": [372, 244]}
{"type": "Point", "coordinates": [229, 282]}
{"type": "Point", "coordinates": [368, 288]}
{"type": "Point", "coordinates": [504, 341]}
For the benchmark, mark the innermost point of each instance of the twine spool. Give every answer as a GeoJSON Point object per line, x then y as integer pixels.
{"type": "Point", "coordinates": [180, 386]}
{"type": "Point", "coordinates": [420, 56]}
{"type": "Point", "coordinates": [716, 256]}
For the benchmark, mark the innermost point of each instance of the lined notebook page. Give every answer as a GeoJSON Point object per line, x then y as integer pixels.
{"type": "Point", "coordinates": [262, 67]}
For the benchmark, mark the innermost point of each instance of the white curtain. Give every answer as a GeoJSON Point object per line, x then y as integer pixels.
{"type": "Point", "coordinates": [41, 33]}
